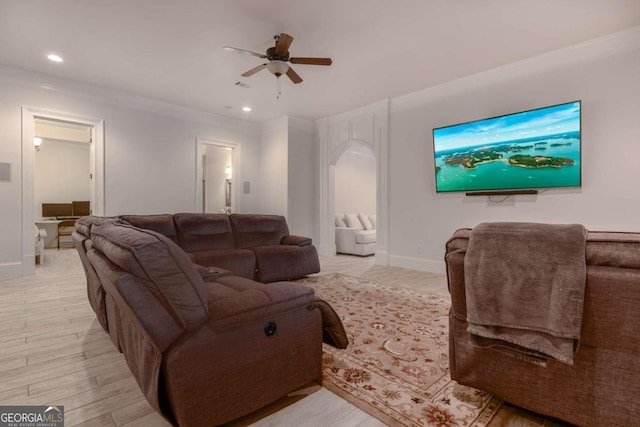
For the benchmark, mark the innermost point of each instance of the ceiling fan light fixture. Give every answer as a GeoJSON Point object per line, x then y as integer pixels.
{"type": "Point", "coordinates": [277, 68]}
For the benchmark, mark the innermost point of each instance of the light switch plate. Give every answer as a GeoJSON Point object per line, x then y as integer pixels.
{"type": "Point", "coordinates": [5, 171]}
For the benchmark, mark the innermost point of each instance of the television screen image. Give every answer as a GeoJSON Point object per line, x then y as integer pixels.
{"type": "Point", "coordinates": [527, 150]}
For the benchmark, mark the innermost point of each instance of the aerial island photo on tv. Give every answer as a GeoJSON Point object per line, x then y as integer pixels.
{"type": "Point", "coordinates": [532, 149]}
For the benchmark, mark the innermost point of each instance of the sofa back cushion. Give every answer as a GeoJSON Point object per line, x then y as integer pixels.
{"type": "Point", "coordinates": [202, 232]}
{"type": "Point", "coordinates": [258, 230]}
{"type": "Point", "coordinates": [159, 265]}
{"type": "Point", "coordinates": [162, 224]}
{"type": "Point", "coordinates": [613, 249]}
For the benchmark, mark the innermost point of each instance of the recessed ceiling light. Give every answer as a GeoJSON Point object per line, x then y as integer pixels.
{"type": "Point", "coordinates": [246, 109]}
{"type": "Point", "coordinates": [54, 58]}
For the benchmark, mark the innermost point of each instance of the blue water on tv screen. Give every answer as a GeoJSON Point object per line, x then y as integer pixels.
{"type": "Point", "coordinates": [527, 150]}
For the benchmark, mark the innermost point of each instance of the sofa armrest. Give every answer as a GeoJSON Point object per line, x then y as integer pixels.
{"type": "Point", "coordinates": [296, 240]}
{"type": "Point", "coordinates": [347, 232]}
{"type": "Point", "coordinates": [346, 239]}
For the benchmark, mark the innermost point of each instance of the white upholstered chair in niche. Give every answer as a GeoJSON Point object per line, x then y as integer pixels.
{"type": "Point", "coordinates": [355, 234]}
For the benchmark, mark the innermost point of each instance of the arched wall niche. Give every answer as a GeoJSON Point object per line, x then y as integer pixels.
{"type": "Point", "coordinates": [346, 146]}
{"type": "Point", "coordinates": [355, 171]}
{"type": "Point", "coordinates": [367, 127]}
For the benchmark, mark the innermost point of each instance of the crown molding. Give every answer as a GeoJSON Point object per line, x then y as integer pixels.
{"type": "Point", "coordinates": [601, 47]}
{"type": "Point", "coordinates": [39, 81]}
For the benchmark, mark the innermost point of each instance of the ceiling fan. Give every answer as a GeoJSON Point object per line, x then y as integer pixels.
{"type": "Point", "coordinates": [278, 57]}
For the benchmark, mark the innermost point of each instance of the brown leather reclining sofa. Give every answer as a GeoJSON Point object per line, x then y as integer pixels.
{"type": "Point", "coordinates": [203, 349]}
{"type": "Point", "coordinates": [602, 386]}
{"type": "Point", "coordinates": [253, 246]}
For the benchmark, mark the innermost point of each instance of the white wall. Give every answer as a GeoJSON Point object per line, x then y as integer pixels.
{"type": "Point", "coordinates": [61, 173]}
{"type": "Point", "coordinates": [288, 173]}
{"type": "Point", "coordinates": [302, 199]}
{"type": "Point", "coordinates": [273, 183]}
{"type": "Point", "coordinates": [150, 150]}
{"type": "Point", "coordinates": [355, 181]}
{"type": "Point", "coordinates": [421, 221]}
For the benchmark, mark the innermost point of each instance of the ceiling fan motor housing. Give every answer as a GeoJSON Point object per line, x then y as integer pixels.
{"type": "Point", "coordinates": [273, 56]}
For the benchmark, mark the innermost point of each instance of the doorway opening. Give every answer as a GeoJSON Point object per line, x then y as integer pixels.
{"type": "Point", "coordinates": [62, 176]}
{"type": "Point", "coordinates": [217, 171]}
{"type": "Point", "coordinates": [354, 180]}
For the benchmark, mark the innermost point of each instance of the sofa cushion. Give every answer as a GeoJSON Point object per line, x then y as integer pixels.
{"type": "Point", "coordinates": [372, 218]}
{"type": "Point", "coordinates": [340, 221]}
{"type": "Point", "coordinates": [366, 236]}
{"type": "Point", "coordinates": [258, 230]}
{"type": "Point", "coordinates": [202, 232]}
{"type": "Point", "coordinates": [161, 266]}
{"type": "Point", "coordinates": [236, 300]}
{"type": "Point", "coordinates": [162, 224]}
{"type": "Point", "coordinates": [366, 223]}
{"type": "Point", "coordinates": [353, 221]}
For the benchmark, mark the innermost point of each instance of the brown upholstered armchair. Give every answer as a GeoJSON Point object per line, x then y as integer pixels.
{"type": "Point", "coordinates": [603, 384]}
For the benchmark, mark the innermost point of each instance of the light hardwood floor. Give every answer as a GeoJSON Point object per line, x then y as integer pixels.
{"type": "Point", "coordinates": [53, 351]}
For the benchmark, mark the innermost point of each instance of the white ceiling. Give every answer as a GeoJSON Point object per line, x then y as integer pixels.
{"type": "Point", "coordinates": [171, 50]}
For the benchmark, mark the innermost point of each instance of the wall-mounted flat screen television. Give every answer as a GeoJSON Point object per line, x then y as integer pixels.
{"type": "Point", "coordinates": [527, 150]}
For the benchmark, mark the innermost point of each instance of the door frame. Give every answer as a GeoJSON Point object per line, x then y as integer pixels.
{"type": "Point", "coordinates": [96, 167]}
{"type": "Point", "coordinates": [201, 148]}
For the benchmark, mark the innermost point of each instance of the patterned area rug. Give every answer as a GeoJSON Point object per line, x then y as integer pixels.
{"type": "Point", "coordinates": [396, 367]}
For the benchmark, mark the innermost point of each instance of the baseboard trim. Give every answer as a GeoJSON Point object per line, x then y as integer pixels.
{"type": "Point", "coordinates": [381, 257]}
{"type": "Point", "coordinates": [9, 270]}
{"type": "Point", "coordinates": [326, 250]}
{"type": "Point", "coordinates": [419, 264]}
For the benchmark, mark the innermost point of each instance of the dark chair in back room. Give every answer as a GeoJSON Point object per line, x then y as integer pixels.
{"type": "Point", "coordinates": [65, 229]}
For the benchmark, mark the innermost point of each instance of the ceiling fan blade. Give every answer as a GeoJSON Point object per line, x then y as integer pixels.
{"type": "Point", "coordinates": [294, 76]}
{"type": "Point", "coordinates": [248, 52]}
{"type": "Point", "coordinates": [254, 70]}
{"type": "Point", "coordinates": [311, 61]}
{"type": "Point", "coordinates": [282, 47]}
